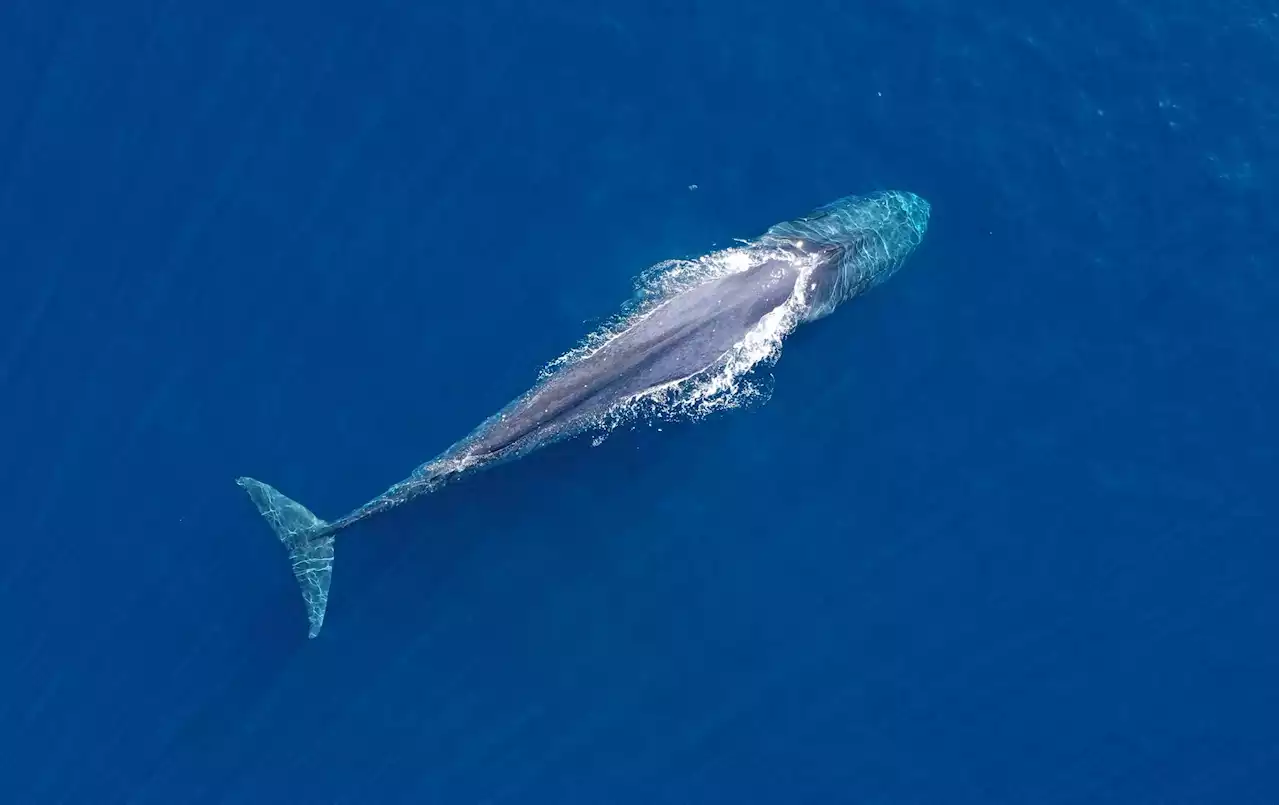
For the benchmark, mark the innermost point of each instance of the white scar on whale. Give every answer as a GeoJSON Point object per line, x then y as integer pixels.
{"type": "Point", "coordinates": [684, 347]}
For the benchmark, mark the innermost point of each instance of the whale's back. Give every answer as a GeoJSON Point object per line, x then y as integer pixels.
{"type": "Point", "coordinates": [686, 335]}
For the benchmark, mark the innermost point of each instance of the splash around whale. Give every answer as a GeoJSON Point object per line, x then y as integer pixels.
{"type": "Point", "coordinates": [684, 347]}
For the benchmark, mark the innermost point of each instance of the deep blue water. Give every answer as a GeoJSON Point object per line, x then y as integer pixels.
{"type": "Point", "coordinates": [1004, 533]}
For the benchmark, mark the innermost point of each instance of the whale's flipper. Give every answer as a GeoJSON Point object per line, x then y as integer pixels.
{"type": "Point", "coordinates": [312, 558]}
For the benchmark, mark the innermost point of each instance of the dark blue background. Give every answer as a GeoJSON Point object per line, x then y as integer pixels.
{"type": "Point", "coordinates": [1004, 534]}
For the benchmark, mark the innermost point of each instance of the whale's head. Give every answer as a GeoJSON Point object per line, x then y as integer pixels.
{"type": "Point", "coordinates": [852, 244]}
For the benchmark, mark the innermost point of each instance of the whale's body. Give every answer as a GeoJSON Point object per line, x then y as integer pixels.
{"type": "Point", "coordinates": [689, 335]}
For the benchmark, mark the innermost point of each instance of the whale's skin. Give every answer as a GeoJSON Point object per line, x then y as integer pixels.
{"type": "Point", "coordinates": [803, 268]}
{"type": "Point", "coordinates": [684, 336]}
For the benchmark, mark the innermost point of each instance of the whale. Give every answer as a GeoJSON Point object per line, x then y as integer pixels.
{"type": "Point", "coordinates": [688, 344]}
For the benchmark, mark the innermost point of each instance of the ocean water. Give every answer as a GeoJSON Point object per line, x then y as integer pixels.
{"type": "Point", "coordinates": [1002, 535]}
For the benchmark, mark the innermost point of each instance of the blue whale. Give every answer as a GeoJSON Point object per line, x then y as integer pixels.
{"type": "Point", "coordinates": [685, 346]}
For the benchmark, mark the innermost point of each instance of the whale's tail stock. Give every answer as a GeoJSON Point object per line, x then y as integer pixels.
{"type": "Point", "coordinates": [310, 553]}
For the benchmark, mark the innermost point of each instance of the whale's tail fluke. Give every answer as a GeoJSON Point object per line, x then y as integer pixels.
{"type": "Point", "coordinates": [310, 554]}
